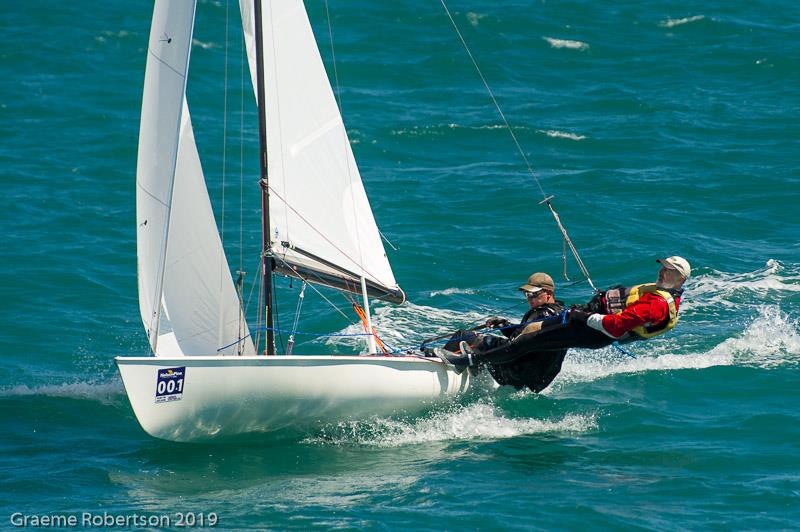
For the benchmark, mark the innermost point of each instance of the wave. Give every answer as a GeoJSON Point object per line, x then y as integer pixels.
{"type": "Point", "coordinates": [439, 129]}
{"type": "Point", "coordinates": [475, 421]}
{"type": "Point", "coordinates": [406, 326]}
{"type": "Point", "coordinates": [452, 291]}
{"type": "Point", "coordinates": [561, 134]}
{"type": "Point", "coordinates": [105, 393]}
{"type": "Point", "coordinates": [475, 18]}
{"type": "Point", "coordinates": [203, 45]}
{"type": "Point", "coordinates": [715, 289]}
{"type": "Point", "coordinates": [565, 43]}
{"type": "Point", "coordinates": [587, 366]}
{"type": "Point", "coordinates": [672, 22]}
{"type": "Point", "coordinates": [770, 340]}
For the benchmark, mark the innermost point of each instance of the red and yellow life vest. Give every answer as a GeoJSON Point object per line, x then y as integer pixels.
{"type": "Point", "coordinates": [619, 298]}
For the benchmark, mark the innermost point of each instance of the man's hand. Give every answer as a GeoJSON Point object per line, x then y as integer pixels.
{"type": "Point", "coordinates": [578, 315]}
{"type": "Point", "coordinates": [496, 323]}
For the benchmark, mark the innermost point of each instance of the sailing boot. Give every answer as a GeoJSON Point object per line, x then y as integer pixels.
{"type": "Point", "coordinates": [458, 363]}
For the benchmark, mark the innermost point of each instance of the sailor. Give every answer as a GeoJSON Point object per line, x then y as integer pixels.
{"type": "Point", "coordinates": [536, 370]}
{"type": "Point", "coordinates": [619, 314]}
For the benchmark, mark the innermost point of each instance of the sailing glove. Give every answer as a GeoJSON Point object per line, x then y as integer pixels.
{"type": "Point", "coordinates": [496, 323]}
{"type": "Point", "coordinates": [578, 315]}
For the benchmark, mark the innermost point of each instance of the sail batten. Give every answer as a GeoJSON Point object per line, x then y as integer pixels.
{"type": "Point", "coordinates": [320, 204]}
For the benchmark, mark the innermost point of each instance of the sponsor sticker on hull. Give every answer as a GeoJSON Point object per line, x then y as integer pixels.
{"type": "Point", "coordinates": [169, 384]}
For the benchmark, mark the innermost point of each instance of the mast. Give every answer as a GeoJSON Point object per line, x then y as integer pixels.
{"type": "Point", "coordinates": [266, 247]}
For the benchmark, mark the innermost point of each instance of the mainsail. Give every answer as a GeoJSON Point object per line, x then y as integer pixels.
{"type": "Point", "coordinates": [322, 226]}
{"type": "Point", "coordinates": [187, 300]}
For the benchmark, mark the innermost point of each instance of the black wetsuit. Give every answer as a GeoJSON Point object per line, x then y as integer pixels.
{"type": "Point", "coordinates": [534, 369]}
{"type": "Point", "coordinates": [516, 364]}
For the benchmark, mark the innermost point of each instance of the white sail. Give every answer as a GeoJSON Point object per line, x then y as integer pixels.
{"type": "Point", "coordinates": [186, 294]}
{"type": "Point", "coordinates": [320, 218]}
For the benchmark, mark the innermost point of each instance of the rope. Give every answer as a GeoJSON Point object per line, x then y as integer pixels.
{"type": "Point", "coordinates": [519, 147]}
{"type": "Point", "coordinates": [623, 351]}
{"type": "Point", "coordinates": [290, 343]}
{"type": "Point", "coordinates": [569, 243]}
{"type": "Point", "coordinates": [369, 330]}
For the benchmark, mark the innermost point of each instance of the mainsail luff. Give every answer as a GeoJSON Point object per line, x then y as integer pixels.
{"type": "Point", "coordinates": [266, 248]}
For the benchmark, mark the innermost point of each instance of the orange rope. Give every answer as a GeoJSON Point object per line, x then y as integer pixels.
{"type": "Point", "coordinates": [360, 311]}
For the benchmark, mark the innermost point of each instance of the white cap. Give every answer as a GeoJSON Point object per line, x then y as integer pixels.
{"type": "Point", "coordinates": [677, 263]}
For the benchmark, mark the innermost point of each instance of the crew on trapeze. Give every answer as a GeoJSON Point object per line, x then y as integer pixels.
{"type": "Point", "coordinates": [620, 314]}
{"type": "Point", "coordinates": [536, 370]}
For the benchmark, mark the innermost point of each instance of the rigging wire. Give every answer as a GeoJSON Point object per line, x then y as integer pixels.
{"type": "Point", "coordinates": [524, 157]}
{"type": "Point", "coordinates": [243, 313]}
{"type": "Point", "coordinates": [224, 127]}
{"type": "Point", "coordinates": [300, 299]}
{"type": "Point", "coordinates": [222, 259]}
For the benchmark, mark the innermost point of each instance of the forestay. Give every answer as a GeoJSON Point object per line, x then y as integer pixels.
{"type": "Point", "coordinates": [322, 226]}
{"type": "Point", "coordinates": [187, 300]}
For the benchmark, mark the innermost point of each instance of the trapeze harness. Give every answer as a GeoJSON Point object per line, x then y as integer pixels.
{"type": "Point", "coordinates": [618, 298]}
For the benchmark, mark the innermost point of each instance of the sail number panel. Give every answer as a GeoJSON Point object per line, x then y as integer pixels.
{"type": "Point", "coordinates": [169, 384]}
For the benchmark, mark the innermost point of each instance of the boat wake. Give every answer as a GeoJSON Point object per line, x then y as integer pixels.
{"type": "Point", "coordinates": [771, 340]}
{"type": "Point", "coordinates": [105, 393]}
{"type": "Point", "coordinates": [405, 327]}
{"type": "Point", "coordinates": [477, 421]}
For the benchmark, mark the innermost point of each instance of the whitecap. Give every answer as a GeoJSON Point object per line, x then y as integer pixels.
{"type": "Point", "coordinates": [718, 289]}
{"type": "Point", "coordinates": [405, 326]}
{"type": "Point", "coordinates": [772, 339]}
{"type": "Point", "coordinates": [561, 134]}
{"type": "Point", "coordinates": [452, 291]}
{"type": "Point", "coordinates": [672, 22]}
{"type": "Point", "coordinates": [203, 45]}
{"type": "Point", "coordinates": [475, 18]}
{"type": "Point", "coordinates": [565, 43]}
{"type": "Point", "coordinates": [477, 421]}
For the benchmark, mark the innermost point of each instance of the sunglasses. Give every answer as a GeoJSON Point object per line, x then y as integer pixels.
{"type": "Point", "coordinates": [532, 295]}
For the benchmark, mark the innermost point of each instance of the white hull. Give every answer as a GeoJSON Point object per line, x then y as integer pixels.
{"type": "Point", "coordinates": [224, 396]}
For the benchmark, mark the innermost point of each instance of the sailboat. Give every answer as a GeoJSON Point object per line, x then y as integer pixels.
{"type": "Point", "coordinates": [205, 378]}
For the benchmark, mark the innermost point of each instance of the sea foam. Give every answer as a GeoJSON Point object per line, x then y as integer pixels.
{"type": "Point", "coordinates": [477, 421]}
{"type": "Point", "coordinates": [561, 134]}
{"type": "Point", "coordinates": [672, 22]}
{"type": "Point", "coordinates": [105, 393]}
{"type": "Point", "coordinates": [406, 326]}
{"type": "Point", "coordinates": [566, 43]}
{"type": "Point", "coordinates": [453, 291]}
{"type": "Point", "coordinates": [772, 339]}
{"type": "Point", "coordinates": [769, 284]}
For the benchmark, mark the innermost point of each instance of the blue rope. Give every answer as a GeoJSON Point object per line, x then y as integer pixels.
{"type": "Point", "coordinates": [621, 350]}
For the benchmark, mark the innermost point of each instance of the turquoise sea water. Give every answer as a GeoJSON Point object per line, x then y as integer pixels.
{"type": "Point", "coordinates": [661, 129]}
